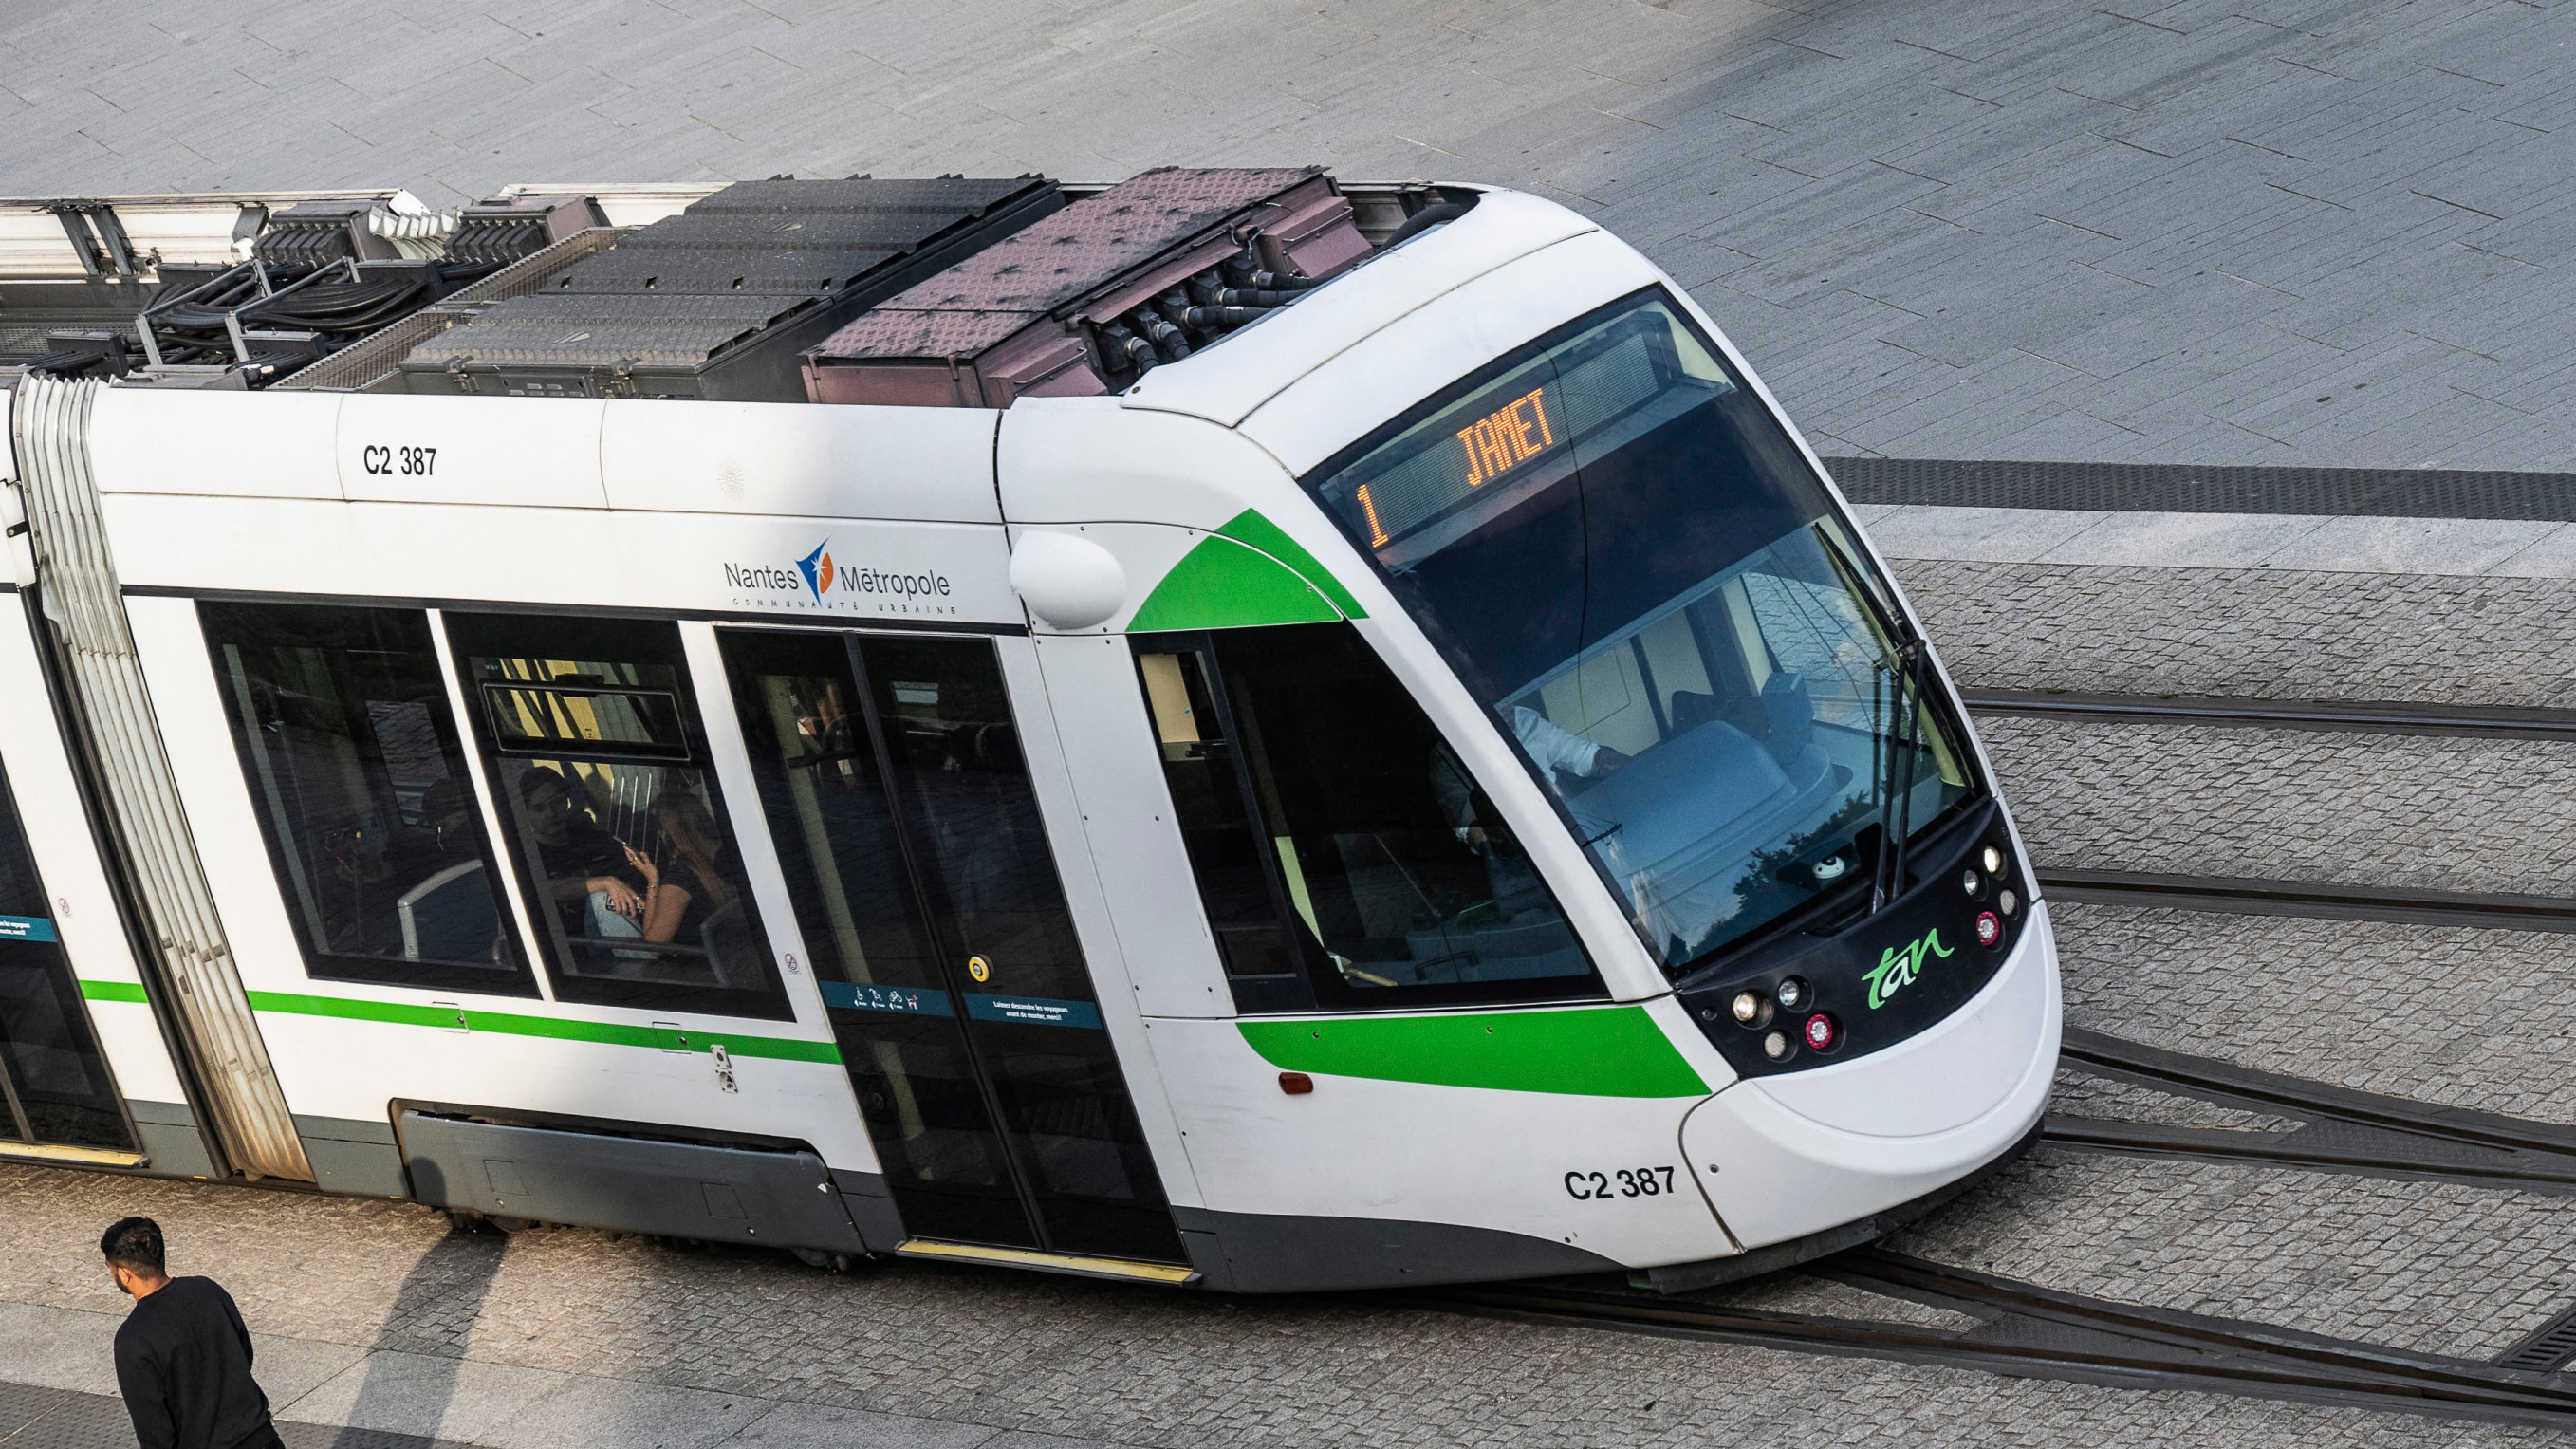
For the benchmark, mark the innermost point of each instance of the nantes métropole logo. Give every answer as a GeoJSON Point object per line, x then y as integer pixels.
{"type": "Point", "coordinates": [825, 584]}
{"type": "Point", "coordinates": [817, 569]}
{"type": "Point", "coordinates": [1898, 968]}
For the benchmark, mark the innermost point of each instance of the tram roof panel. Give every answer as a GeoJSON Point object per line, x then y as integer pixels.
{"type": "Point", "coordinates": [1226, 384]}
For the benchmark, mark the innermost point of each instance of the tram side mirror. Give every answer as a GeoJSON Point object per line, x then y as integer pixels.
{"type": "Point", "coordinates": [1791, 714]}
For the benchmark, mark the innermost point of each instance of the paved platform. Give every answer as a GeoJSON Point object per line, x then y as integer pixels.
{"type": "Point", "coordinates": [2241, 231]}
{"type": "Point", "coordinates": [371, 1313]}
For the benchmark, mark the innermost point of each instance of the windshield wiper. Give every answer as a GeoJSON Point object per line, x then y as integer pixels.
{"type": "Point", "coordinates": [1896, 813]}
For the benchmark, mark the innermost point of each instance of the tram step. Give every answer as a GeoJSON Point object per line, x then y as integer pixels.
{"type": "Point", "coordinates": [60, 1155]}
{"type": "Point", "coordinates": [1124, 1269]}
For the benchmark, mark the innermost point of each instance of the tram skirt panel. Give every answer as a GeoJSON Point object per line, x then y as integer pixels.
{"type": "Point", "coordinates": [624, 1184]}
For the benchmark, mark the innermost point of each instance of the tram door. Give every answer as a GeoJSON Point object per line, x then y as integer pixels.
{"type": "Point", "coordinates": [896, 792]}
{"type": "Point", "coordinates": [54, 1086]}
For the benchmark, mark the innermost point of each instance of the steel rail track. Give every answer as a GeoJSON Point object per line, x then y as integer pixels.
{"type": "Point", "coordinates": [2329, 900]}
{"type": "Point", "coordinates": [2028, 1331]}
{"type": "Point", "coordinates": [2366, 716]}
{"type": "Point", "coordinates": [2340, 1129]}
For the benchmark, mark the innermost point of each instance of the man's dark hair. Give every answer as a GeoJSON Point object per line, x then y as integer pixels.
{"type": "Point", "coordinates": [134, 1244]}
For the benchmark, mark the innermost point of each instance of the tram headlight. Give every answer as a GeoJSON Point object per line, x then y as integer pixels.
{"type": "Point", "coordinates": [1821, 1033]}
{"type": "Point", "coordinates": [1993, 860]}
{"type": "Point", "coordinates": [1990, 928]}
{"type": "Point", "coordinates": [1792, 994]}
{"type": "Point", "coordinates": [1973, 883]}
{"type": "Point", "coordinates": [1749, 1008]}
{"type": "Point", "coordinates": [2007, 902]}
{"type": "Point", "coordinates": [1776, 1046]}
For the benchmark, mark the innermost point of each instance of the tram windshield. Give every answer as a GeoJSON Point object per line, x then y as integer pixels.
{"type": "Point", "coordinates": [1623, 554]}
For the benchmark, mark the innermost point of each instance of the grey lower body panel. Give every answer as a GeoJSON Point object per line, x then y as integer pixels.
{"type": "Point", "coordinates": [170, 1140]}
{"type": "Point", "coordinates": [628, 1184]}
{"type": "Point", "coordinates": [356, 1157]}
{"type": "Point", "coordinates": [1277, 1253]}
{"type": "Point", "coordinates": [871, 1208]}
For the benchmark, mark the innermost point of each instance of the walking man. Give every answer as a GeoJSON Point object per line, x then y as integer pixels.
{"type": "Point", "coordinates": [182, 1355]}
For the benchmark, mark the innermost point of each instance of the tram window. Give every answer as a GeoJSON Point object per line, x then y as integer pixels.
{"type": "Point", "coordinates": [54, 1086]}
{"type": "Point", "coordinates": [1235, 883]}
{"type": "Point", "coordinates": [359, 779]}
{"type": "Point", "coordinates": [1336, 835]}
{"type": "Point", "coordinates": [591, 737]}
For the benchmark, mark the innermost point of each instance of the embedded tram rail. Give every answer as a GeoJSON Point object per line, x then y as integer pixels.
{"type": "Point", "coordinates": [2330, 900]}
{"type": "Point", "coordinates": [2341, 1129]}
{"type": "Point", "coordinates": [2029, 1331]}
{"type": "Point", "coordinates": [2361, 716]}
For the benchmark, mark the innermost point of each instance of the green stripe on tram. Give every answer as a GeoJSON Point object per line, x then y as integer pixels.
{"type": "Point", "coordinates": [1615, 1051]}
{"type": "Point", "coordinates": [557, 1028]}
{"type": "Point", "coordinates": [1248, 572]}
{"type": "Point", "coordinates": [509, 1023]}
{"type": "Point", "coordinates": [1250, 527]}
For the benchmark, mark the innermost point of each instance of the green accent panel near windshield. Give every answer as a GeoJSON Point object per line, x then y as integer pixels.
{"type": "Point", "coordinates": [1614, 1051]}
{"type": "Point", "coordinates": [1222, 584]}
{"type": "Point", "coordinates": [607, 1033]}
{"type": "Point", "coordinates": [112, 991]}
{"type": "Point", "coordinates": [1250, 527]}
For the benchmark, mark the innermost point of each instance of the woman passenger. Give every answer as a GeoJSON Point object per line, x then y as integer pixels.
{"type": "Point", "coordinates": [699, 880]}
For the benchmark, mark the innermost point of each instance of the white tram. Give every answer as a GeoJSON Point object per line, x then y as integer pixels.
{"type": "Point", "coordinates": [1435, 788]}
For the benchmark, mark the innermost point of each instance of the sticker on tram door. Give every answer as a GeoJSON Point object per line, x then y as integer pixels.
{"type": "Point", "coordinates": [1032, 1010]}
{"type": "Point", "coordinates": [26, 928]}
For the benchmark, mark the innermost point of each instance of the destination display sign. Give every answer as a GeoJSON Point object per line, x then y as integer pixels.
{"type": "Point", "coordinates": [1495, 442]}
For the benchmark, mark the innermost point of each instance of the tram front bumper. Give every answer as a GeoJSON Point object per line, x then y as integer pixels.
{"type": "Point", "coordinates": [1789, 1156]}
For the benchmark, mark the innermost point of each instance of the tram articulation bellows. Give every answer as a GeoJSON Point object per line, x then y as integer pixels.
{"type": "Point", "coordinates": [201, 993]}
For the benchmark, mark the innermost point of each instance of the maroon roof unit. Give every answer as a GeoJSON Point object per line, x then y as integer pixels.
{"type": "Point", "coordinates": [1084, 301]}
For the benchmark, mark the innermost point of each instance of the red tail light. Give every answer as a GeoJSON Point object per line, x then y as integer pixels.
{"type": "Point", "coordinates": [1990, 928]}
{"type": "Point", "coordinates": [1821, 1032]}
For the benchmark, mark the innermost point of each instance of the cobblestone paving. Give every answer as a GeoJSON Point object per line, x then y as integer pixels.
{"type": "Point", "coordinates": [1076, 1358]}
{"type": "Point", "coordinates": [2077, 1095]}
{"type": "Point", "coordinates": [2428, 1266]}
{"type": "Point", "coordinates": [2465, 1018]}
{"type": "Point", "coordinates": [2431, 811]}
{"type": "Point", "coordinates": [2251, 632]}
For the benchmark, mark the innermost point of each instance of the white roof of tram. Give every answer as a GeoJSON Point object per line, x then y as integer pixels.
{"type": "Point", "coordinates": [1226, 385]}
{"type": "Point", "coordinates": [1301, 384]}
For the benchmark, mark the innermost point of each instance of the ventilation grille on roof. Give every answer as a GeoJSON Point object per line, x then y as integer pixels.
{"type": "Point", "coordinates": [1142, 274]}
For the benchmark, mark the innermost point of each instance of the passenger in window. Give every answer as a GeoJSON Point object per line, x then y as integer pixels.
{"type": "Point", "coordinates": [580, 861]}
{"type": "Point", "coordinates": [682, 897]}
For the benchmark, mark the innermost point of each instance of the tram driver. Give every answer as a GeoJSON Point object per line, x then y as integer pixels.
{"type": "Point", "coordinates": [1479, 826]}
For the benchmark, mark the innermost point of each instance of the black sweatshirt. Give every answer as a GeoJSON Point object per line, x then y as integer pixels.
{"type": "Point", "coordinates": [183, 1362]}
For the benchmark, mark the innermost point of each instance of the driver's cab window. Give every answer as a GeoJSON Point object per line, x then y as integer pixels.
{"type": "Point", "coordinates": [592, 741]}
{"type": "Point", "coordinates": [1345, 856]}
{"type": "Point", "coordinates": [1760, 713]}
